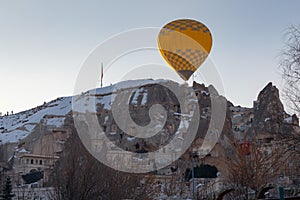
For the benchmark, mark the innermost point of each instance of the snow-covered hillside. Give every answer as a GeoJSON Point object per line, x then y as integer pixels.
{"type": "Point", "coordinates": [86, 102]}
{"type": "Point", "coordinates": [17, 126]}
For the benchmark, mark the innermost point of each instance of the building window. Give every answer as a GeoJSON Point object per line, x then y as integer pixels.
{"type": "Point", "coordinates": [31, 161]}
{"type": "Point", "coordinates": [41, 162]}
{"type": "Point", "coordinates": [113, 128]}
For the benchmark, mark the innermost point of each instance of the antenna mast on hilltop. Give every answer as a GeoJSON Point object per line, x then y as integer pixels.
{"type": "Point", "coordinates": [101, 75]}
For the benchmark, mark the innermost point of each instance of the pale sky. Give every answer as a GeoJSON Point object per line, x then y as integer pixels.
{"type": "Point", "coordinates": [44, 43]}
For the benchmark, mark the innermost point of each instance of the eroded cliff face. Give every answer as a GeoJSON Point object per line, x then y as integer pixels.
{"type": "Point", "coordinates": [48, 138]}
{"type": "Point", "coordinates": [139, 103]}
{"type": "Point", "coordinates": [266, 120]}
{"type": "Point", "coordinates": [268, 106]}
{"type": "Point", "coordinates": [269, 117]}
{"type": "Point", "coordinates": [30, 125]}
{"type": "Point", "coordinates": [141, 100]}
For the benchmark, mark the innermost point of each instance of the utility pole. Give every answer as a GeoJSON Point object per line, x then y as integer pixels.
{"type": "Point", "coordinates": [193, 177]}
{"type": "Point", "coordinates": [192, 156]}
{"type": "Point", "coordinates": [101, 75]}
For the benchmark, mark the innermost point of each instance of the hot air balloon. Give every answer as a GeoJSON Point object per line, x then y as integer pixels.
{"type": "Point", "coordinates": [184, 44]}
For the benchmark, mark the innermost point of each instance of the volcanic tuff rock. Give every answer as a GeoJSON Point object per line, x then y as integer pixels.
{"type": "Point", "coordinates": [43, 129]}
{"type": "Point", "coordinates": [268, 106]}
{"type": "Point", "coordinates": [269, 114]}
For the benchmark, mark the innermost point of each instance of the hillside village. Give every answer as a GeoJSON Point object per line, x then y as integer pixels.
{"type": "Point", "coordinates": [258, 147]}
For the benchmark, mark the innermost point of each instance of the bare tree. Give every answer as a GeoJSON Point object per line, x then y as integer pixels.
{"type": "Point", "coordinates": [77, 175]}
{"type": "Point", "coordinates": [207, 191]}
{"type": "Point", "coordinates": [290, 66]}
{"type": "Point", "coordinates": [256, 171]}
{"type": "Point", "coordinates": [170, 186]}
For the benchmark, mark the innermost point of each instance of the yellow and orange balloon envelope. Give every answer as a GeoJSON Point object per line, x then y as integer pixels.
{"type": "Point", "coordinates": [185, 44]}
